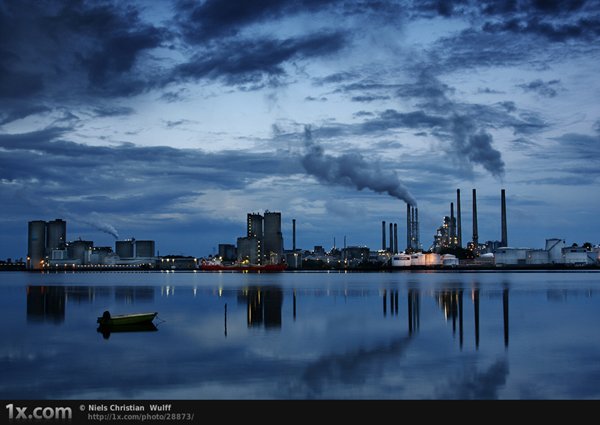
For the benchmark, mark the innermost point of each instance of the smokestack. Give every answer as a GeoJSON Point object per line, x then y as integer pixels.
{"type": "Point", "coordinates": [383, 235]}
{"type": "Point", "coordinates": [452, 224]}
{"type": "Point", "coordinates": [475, 233]}
{"type": "Point", "coordinates": [458, 223]}
{"type": "Point", "coordinates": [413, 234]}
{"type": "Point", "coordinates": [504, 241]}
{"type": "Point", "coordinates": [408, 225]}
{"type": "Point", "coordinates": [391, 237]}
{"type": "Point", "coordinates": [294, 235]}
{"type": "Point", "coordinates": [416, 224]}
{"type": "Point", "coordinates": [395, 238]}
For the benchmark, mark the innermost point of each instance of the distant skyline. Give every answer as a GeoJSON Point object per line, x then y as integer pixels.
{"type": "Point", "coordinates": [172, 120]}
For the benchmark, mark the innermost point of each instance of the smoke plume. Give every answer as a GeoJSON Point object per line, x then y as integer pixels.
{"type": "Point", "coordinates": [351, 170]}
{"type": "Point", "coordinates": [100, 225]}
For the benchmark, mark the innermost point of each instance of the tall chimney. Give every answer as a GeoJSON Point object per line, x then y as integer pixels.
{"type": "Point", "coordinates": [458, 223]}
{"type": "Point", "coordinates": [294, 234]}
{"type": "Point", "coordinates": [408, 227]}
{"type": "Point", "coordinates": [383, 235]}
{"type": "Point", "coordinates": [413, 233]}
{"type": "Point", "coordinates": [504, 241]}
{"type": "Point", "coordinates": [416, 225]}
{"type": "Point", "coordinates": [475, 232]}
{"type": "Point", "coordinates": [395, 238]}
{"type": "Point", "coordinates": [391, 237]}
{"type": "Point", "coordinates": [452, 224]}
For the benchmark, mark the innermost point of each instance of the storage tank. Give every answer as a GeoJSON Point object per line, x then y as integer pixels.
{"type": "Point", "coordinates": [124, 249]}
{"type": "Point", "coordinates": [56, 235]}
{"type": "Point", "coordinates": [144, 249]}
{"type": "Point", "coordinates": [449, 260]}
{"type": "Point", "coordinates": [554, 247]}
{"type": "Point", "coordinates": [36, 244]}
{"type": "Point", "coordinates": [401, 260]}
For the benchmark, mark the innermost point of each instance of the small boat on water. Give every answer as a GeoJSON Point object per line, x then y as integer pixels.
{"type": "Point", "coordinates": [126, 319]}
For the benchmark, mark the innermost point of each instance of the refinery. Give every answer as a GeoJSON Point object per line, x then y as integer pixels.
{"type": "Point", "coordinates": [261, 248]}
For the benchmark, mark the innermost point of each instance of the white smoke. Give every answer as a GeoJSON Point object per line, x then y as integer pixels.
{"type": "Point", "coordinates": [352, 170]}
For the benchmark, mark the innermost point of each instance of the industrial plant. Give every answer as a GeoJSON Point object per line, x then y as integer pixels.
{"type": "Point", "coordinates": [262, 247]}
{"type": "Point", "coordinates": [48, 248]}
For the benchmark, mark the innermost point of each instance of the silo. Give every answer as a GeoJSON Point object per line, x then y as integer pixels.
{"type": "Point", "coordinates": [144, 249]}
{"type": "Point", "coordinates": [36, 244]}
{"type": "Point", "coordinates": [124, 249]}
{"type": "Point", "coordinates": [56, 235]}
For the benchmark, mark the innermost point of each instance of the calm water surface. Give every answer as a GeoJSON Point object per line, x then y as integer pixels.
{"type": "Point", "coordinates": [303, 335]}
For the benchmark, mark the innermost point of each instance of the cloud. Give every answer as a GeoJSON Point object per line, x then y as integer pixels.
{"type": "Point", "coordinates": [243, 61]}
{"type": "Point", "coordinates": [369, 98]}
{"type": "Point", "coordinates": [217, 19]}
{"type": "Point", "coordinates": [543, 88]}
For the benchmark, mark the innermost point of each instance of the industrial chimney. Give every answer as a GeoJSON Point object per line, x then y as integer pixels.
{"type": "Point", "coordinates": [408, 227]}
{"type": "Point", "coordinates": [383, 235]}
{"type": "Point", "coordinates": [294, 234]}
{"type": "Point", "coordinates": [504, 241]}
{"type": "Point", "coordinates": [458, 221]}
{"type": "Point", "coordinates": [391, 237]}
{"type": "Point", "coordinates": [452, 225]}
{"type": "Point", "coordinates": [475, 231]}
{"type": "Point", "coordinates": [395, 238]}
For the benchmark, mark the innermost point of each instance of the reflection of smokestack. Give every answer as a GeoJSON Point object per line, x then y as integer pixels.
{"type": "Point", "coordinates": [458, 223]}
{"type": "Point", "coordinates": [383, 235]}
{"type": "Point", "coordinates": [504, 241]}
{"type": "Point", "coordinates": [391, 237]}
{"type": "Point", "coordinates": [294, 234]}
{"type": "Point", "coordinates": [408, 224]}
{"type": "Point", "coordinates": [475, 233]}
{"type": "Point", "coordinates": [395, 238]}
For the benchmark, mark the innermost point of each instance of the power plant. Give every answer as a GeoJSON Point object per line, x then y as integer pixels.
{"type": "Point", "coordinates": [262, 246]}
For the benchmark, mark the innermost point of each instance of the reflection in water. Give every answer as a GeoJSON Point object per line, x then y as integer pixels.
{"type": "Point", "coordinates": [263, 306]}
{"type": "Point", "coordinates": [505, 314]}
{"type": "Point", "coordinates": [413, 311]}
{"type": "Point", "coordinates": [46, 304]}
{"type": "Point", "coordinates": [106, 330]}
{"type": "Point", "coordinates": [475, 296]}
{"type": "Point", "coordinates": [451, 302]}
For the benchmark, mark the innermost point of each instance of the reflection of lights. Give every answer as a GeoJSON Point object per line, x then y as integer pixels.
{"type": "Point", "coordinates": [195, 289]}
{"type": "Point", "coordinates": [220, 292]}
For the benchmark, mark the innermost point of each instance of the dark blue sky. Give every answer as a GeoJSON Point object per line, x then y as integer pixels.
{"type": "Point", "coordinates": [171, 120]}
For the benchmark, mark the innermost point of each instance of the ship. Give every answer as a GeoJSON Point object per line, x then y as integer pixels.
{"type": "Point", "coordinates": [214, 265]}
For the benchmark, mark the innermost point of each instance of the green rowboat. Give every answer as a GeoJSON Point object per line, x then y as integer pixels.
{"type": "Point", "coordinates": [125, 319]}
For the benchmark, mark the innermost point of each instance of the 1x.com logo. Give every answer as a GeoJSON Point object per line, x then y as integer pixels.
{"type": "Point", "coordinates": [18, 413]}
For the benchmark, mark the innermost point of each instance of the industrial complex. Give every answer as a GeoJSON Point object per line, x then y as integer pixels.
{"type": "Point", "coordinates": [262, 246]}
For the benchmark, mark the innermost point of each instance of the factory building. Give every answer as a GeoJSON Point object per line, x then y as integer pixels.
{"type": "Point", "coordinates": [554, 253]}
{"type": "Point", "coordinates": [263, 243]}
{"type": "Point", "coordinates": [227, 252]}
{"type": "Point", "coordinates": [272, 237]}
{"type": "Point", "coordinates": [249, 250]}
{"type": "Point", "coordinates": [36, 244]}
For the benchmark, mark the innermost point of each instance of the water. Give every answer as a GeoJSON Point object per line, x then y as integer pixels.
{"type": "Point", "coordinates": [303, 336]}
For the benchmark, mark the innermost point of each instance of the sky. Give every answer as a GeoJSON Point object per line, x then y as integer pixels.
{"type": "Point", "coordinates": [172, 120]}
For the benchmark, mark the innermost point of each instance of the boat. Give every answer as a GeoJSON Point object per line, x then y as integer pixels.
{"type": "Point", "coordinates": [214, 265]}
{"type": "Point", "coordinates": [125, 319]}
